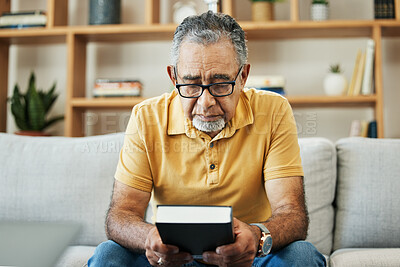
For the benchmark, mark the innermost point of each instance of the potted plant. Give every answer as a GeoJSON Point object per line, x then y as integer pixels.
{"type": "Point", "coordinates": [335, 82]}
{"type": "Point", "coordinates": [30, 109]}
{"type": "Point", "coordinates": [319, 10]}
{"type": "Point", "coordinates": [263, 10]}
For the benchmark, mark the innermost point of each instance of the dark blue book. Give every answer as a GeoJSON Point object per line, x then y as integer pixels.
{"type": "Point", "coordinates": [23, 13]}
{"type": "Point", "coordinates": [372, 130]}
{"type": "Point", "coordinates": [278, 90]}
{"type": "Point", "coordinates": [21, 26]}
{"type": "Point", "coordinates": [195, 229]}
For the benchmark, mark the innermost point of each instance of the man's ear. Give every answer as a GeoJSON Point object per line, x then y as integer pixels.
{"type": "Point", "coordinates": [245, 74]}
{"type": "Point", "coordinates": [171, 74]}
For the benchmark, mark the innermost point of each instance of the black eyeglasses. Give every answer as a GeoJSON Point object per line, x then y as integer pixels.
{"type": "Point", "coordinates": [188, 90]}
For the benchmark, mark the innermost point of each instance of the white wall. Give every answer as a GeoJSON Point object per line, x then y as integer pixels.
{"type": "Point", "coordinates": [304, 62]}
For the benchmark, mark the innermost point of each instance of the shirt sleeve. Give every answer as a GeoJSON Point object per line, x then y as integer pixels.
{"type": "Point", "coordinates": [133, 167]}
{"type": "Point", "coordinates": [283, 154]}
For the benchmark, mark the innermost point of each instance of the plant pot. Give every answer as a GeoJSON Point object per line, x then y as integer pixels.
{"type": "Point", "coordinates": [335, 84]}
{"type": "Point", "coordinates": [262, 11]}
{"type": "Point", "coordinates": [319, 12]}
{"type": "Point", "coordinates": [32, 133]}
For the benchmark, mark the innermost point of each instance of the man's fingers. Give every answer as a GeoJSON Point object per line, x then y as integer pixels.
{"type": "Point", "coordinates": [212, 258]}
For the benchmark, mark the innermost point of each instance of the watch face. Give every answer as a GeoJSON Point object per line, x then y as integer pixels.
{"type": "Point", "coordinates": [267, 245]}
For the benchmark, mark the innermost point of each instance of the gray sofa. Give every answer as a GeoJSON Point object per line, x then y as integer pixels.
{"type": "Point", "coordinates": [351, 189]}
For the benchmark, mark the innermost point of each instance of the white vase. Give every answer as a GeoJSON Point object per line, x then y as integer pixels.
{"type": "Point", "coordinates": [319, 12]}
{"type": "Point", "coordinates": [335, 84]}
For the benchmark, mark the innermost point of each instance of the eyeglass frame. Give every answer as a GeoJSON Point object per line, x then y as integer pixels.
{"type": "Point", "coordinates": [207, 86]}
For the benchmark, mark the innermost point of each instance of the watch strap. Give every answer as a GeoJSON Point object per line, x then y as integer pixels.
{"type": "Point", "coordinates": [264, 240]}
{"type": "Point", "coordinates": [262, 227]}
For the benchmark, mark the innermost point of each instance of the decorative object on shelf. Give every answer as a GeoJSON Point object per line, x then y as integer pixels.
{"type": "Point", "coordinates": [24, 19]}
{"type": "Point", "coordinates": [104, 12]}
{"type": "Point", "coordinates": [30, 109]}
{"type": "Point", "coordinates": [335, 82]}
{"type": "Point", "coordinates": [212, 5]}
{"type": "Point", "coordinates": [319, 10]}
{"type": "Point", "coordinates": [183, 9]}
{"type": "Point", "coordinates": [117, 88]}
{"type": "Point", "coordinates": [263, 10]}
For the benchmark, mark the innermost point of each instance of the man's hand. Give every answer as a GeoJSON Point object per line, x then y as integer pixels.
{"type": "Point", "coordinates": [170, 255]}
{"type": "Point", "coordinates": [241, 253]}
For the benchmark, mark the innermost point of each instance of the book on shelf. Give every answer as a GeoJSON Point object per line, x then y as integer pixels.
{"type": "Point", "coordinates": [372, 129]}
{"type": "Point", "coordinates": [195, 229]}
{"type": "Point", "coordinates": [23, 19]}
{"type": "Point", "coordinates": [117, 88]}
{"type": "Point", "coordinates": [362, 80]}
{"type": "Point", "coordinates": [355, 73]}
{"type": "Point", "coordinates": [367, 84]}
{"type": "Point", "coordinates": [363, 128]}
{"type": "Point", "coordinates": [384, 9]}
{"type": "Point", "coordinates": [360, 74]}
{"type": "Point", "coordinates": [273, 83]}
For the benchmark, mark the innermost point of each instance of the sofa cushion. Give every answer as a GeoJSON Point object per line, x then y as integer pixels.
{"type": "Point", "coordinates": [59, 179]}
{"type": "Point", "coordinates": [367, 199]}
{"type": "Point", "coordinates": [76, 256]}
{"type": "Point", "coordinates": [318, 157]}
{"type": "Point", "coordinates": [365, 257]}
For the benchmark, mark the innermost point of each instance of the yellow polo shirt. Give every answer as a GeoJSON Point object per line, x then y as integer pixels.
{"type": "Point", "coordinates": [163, 153]}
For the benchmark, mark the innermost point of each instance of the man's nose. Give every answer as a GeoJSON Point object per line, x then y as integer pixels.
{"type": "Point", "coordinates": [206, 100]}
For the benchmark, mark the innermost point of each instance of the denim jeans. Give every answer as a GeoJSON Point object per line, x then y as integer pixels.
{"type": "Point", "coordinates": [299, 253]}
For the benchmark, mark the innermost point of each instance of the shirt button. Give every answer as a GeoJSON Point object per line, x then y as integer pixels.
{"type": "Point", "coordinates": [212, 166]}
{"type": "Point", "coordinates": [211, 145]}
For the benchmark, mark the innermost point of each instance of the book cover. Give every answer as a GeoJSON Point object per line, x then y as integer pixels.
{"type": "Point", "coordinates": [355, 72]}
{"type": "Point", "coordinates": [117, 87]}
{"type": "Point", "coordinates": [21, 26]}
{"type": "Point", "coordinates": [278, 90]}
{"type": "Point", "coordinates": [23, 13]}
{"type": "Point", "coordinates": [372, 130]}
{"type": "Point", "coordinates": [360, 74]}
{"type": "Point", "coordinates": [355, 128]}
{"type": "Point", "coordinates": [367, 84]}
{"type": "Point", "coordinates": [195, 229]}
{"type": "Point", "coordinates": [23, 18]}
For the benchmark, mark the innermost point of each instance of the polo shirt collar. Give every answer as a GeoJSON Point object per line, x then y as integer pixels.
{"type": "Point", "coordinates": [176, 117]}
{"type": "Point", "coordinates": [179, 124]}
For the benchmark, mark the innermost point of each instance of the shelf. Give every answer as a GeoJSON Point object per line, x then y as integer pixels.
{"type": "Point", "coordinates": [106, 102]}
{"type": "Point", "coordinates": [125, 32]}
{"type": "Point", "coordinates": [390, 28]}
{"type": "Point", "coordinates": [332, 101]}
{"type": "Point", "coordinates": [34, 35]}
{"type": "Point", "coordinates": [295, 101]}
{"type": "Point", "coordinates": [308, 29]}
{"type": "Point", "coordinates": [152, 32]}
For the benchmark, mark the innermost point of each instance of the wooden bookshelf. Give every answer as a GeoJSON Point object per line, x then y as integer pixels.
{"type": "Point", "coordinates": [332, 101]}
{"type": "Point", "coordinates": [106, 102]}
{"type": "Point", "coordinates": [77, 38]}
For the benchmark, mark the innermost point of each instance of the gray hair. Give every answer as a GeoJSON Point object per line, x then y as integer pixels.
{"type": "Point", "coordinates": [209, 28]}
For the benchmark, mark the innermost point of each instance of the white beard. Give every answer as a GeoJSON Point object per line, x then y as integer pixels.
{"type": "Point", "coordinates": [208, 126]}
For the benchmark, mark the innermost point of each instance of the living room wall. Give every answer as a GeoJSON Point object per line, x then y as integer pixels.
{"type": "Point", "coordinates": [303, 62]}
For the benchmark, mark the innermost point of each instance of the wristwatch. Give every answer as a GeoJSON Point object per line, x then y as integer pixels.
{"type": "Point", "coordinates": [265, 243]}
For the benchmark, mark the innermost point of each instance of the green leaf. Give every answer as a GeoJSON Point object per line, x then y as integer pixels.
{"type": "Point", "coordinates": [36, 111]}
{"type": "Point", "coordinates": [18, 109]}
{"type": "Point", "coordinates": [49, 98]}
{"type": "Point", "coordinates": [53, 120]}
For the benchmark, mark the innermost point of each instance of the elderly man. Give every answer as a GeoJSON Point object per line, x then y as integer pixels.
{"type": "Point", "coordinates": [211, 142]}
